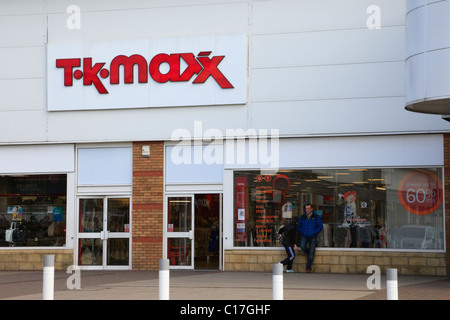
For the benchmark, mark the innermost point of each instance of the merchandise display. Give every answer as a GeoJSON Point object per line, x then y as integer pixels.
{"type": "Point", "coordinates": [32, 211]}
{"type": "Point", "coordinates": [360, 208]}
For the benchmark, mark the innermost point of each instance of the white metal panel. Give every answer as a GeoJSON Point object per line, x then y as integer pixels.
{"type": "Point", "coordinates": [279, 16]}
{"type": "Point", "coordinates": [22, 30]}
{"type": "Point", "coordinates": [328, 82]}
{"type": "Point", "coordinates": [37, 159]}
{"type": "Point", "coordinates": [110, 190]}
{"type": "Point", "coordinates": [328, 47]}
{"type": "Point", "coordinates": [413, 4]}
{"type": "Point", "coordinates": [22, 62]}
{"type": "Point", "coordinates": [428, 60]}
{"type": "Point", "coordinates": [138, 124]}
{"type": "Point", "coordinates": [194, 188]}
{"type": "Point", "coordinates": [438, 73]}
{"type": "Point", "coordinates": [415, 33]}
{"type": "Point", "coordinates": [105, 166]}
{"type": "Point", "coordinates": [22, 126]}
{"type": "Point", "coordinates": [369, 151]}
{"type": "Point", "coordinates": [55, 6]}
{"type": "Point", "coordinates": [22, 7]}
{"type": "Point", "coordinates": [350, 116]}
{"type": "Point", "coordinates": [357, 151]}
{"type": "Point", "coordinates": [141, 21]}
{"type": "Point", "coordinates": [203, 164]}
{"type": "Point", "coordinates": [416, 77]}
{"type": "Point", "coordinates": [22, 94]}
{"type": "Point", "coordinates": [438, 25]}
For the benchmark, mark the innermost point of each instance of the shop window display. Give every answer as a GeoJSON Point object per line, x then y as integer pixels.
{"type": "Point", "coordinates": [384, 208]}
{"type": "Point", "coordinates": [33, 210]}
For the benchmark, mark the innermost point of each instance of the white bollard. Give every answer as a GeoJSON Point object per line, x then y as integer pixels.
{"type": "Point", "coordinates": [164, 279]}
{"type": "Point", "coordinates": [277, 281]}
{"type": "Point", "coordinates": [48, 280]}
{"type": "Point", "coordinates": [391, 284]}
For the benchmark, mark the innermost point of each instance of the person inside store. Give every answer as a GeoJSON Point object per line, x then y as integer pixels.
{"type": "Point", "coordinates": [309, 226]}
{"type": "Point", "coordinates": [289, 233]}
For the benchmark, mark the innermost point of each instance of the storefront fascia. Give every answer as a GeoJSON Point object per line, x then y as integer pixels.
{"type": "Point", "coordinates": [193, 205]}
{"type": "Point", "coordinates": [352, 153]}
{"type": "Point", "coordinates": [66, 185]}
{"type": "Point", "coordinates": [103, 223]}
{"type": "Point", "coordinates": [51, 163]}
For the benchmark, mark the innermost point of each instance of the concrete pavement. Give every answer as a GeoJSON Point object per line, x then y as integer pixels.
{"type": "Point", "coordinates": [217, 285]}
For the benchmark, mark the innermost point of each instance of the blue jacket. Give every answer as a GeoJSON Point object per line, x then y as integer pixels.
{"type": "Point", "coordinates": [309, 227]}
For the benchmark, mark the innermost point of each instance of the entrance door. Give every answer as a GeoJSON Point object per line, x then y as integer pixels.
{"type": "Point", "coordinates": [207, 247]}
{"type": "Point", "coordinates": [194, 231]}
{"type": "Point", "coordinates": [104, 233]}
{"type": "Point", "coordinates": [180, 231]}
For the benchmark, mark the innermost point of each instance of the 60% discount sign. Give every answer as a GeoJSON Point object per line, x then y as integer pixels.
{"type": "Point", "coordinates": [420, 192]}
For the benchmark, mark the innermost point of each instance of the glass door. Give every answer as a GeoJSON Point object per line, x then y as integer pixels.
{"type": "Point", "coordinates": [180, 235]}
{"type": "Point", "coordinates": [208, 231]}
{"type": "Point", "coordinates": [104, 233]}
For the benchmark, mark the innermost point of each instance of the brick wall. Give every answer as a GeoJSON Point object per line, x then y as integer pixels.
{"type": "Point", "coordinates": [31, 259]}
{"type": "Point", "coordinates": [147, 206]}
{"type": "Point", "coordinates": [447, 196]}
{"type": "Point", "coordinates": [335, 261]}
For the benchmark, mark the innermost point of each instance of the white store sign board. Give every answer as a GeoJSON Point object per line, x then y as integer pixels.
{"type": "Point", "coordinates": [165, 72]}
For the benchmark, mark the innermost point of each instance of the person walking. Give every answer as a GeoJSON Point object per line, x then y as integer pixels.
{"type": "Point", "coordinates": [289, 232]}
{"type": "Point", "coordinates": [309, 226]}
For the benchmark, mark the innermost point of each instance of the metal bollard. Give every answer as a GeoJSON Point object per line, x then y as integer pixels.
{"type": "Point", "coordinates": [391, 284]}
{"type": "Point", "coordinates": [277, 281]}
{"type": "Point", "coordinates": [164, 279]}
{"type": "Point", "coordinates": [48, 280]}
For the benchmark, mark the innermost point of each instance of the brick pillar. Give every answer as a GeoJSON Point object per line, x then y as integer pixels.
{"type": "Point", "coordinates": [147, 211]}
{"type": "Point", "coordinates": [447, 197]}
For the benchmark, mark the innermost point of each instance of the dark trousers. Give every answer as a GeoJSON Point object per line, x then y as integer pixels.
{"type": "Point", "coordinates": [308, 245]}
{"type": "Point", "coordinates": [290, 257]}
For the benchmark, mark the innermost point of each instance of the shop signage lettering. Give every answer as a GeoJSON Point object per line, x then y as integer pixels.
{"type": "Point", "coordinates": [201, 65]}
{"type": "Point", "coordinates": [145, 73]}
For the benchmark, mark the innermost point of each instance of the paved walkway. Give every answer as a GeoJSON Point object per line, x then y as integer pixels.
{"type": "Point", "coordinates": [217, 285]}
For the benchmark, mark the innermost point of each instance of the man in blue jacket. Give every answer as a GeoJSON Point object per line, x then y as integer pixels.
{"type": "Point", "coordinates": [309, 226]}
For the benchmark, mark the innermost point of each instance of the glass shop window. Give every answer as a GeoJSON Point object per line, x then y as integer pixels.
{"type": "Point", "coordinates": [397, 208]}
{"type": "Point", "coordinates": [33, 210]}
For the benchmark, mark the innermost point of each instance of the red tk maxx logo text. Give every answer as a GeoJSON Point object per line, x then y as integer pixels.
{"type": "Point", "coordinates": [201, 65]}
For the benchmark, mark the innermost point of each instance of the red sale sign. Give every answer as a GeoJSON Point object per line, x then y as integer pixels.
{"type": "Point", "coordinates": [420, 192]}
{"type": "Point", "coordinates": [241, 206]}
